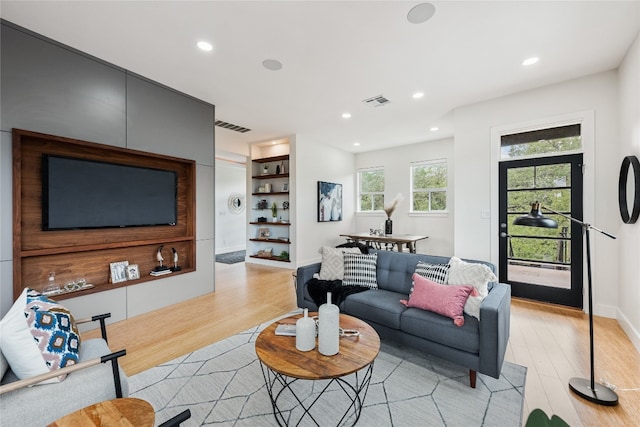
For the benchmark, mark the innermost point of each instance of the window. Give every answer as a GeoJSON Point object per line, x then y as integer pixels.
{"type": "Point", "coordinates": [429, 186]}
{"type": "Point", "coordinates": [558, 140]}
{"type": "Point", "coordinates": [371, 190]}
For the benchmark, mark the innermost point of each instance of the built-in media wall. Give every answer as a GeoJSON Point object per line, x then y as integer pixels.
{"type": "Point", "coordinates": [86, 247]}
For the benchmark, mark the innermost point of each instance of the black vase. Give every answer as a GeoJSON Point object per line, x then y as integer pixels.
{"type": "Point", "coordinates": [388, 226]}
{"type": "Point", "coordinates": [278, 170]}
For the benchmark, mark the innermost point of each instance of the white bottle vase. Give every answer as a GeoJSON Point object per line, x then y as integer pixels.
{"type": "Point", "coordinates": [328, 328]}
{"type": "Point", "coordinates": [305, 332]}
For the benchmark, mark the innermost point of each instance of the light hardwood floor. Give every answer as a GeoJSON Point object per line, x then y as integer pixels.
{"type": "Point", "coordinates": [552, 342]}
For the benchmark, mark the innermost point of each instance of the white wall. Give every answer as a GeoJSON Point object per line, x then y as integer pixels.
{"type": "Point", "coordinates": [317, 162]}
{"type": "Point", "coordinates": [476, 171]}
{"type": "Point", "coordinates": [231, 228]}
{"type": "Point", "coordinates": [629, 235]}
{"type": "Point", "coordinates": [397, 162]}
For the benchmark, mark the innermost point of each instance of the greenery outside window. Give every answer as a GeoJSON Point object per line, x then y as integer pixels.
{"type": "Point", "coordinates": [371, 190]}
{"type": "Point", "coordinates": [429, 183]}
{"type": "Point", "coordinates": [551, 141]}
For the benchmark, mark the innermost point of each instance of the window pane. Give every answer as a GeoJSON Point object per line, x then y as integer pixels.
{"type": "Point", "coordinates": [430, 176]}
{"type": "Point", "coordinates": [438, 201]}
{"type": "Point", "coordinates": [378, 202]}
{"type": "Point", "coordinates": [365, 202]}
{"type": "Point", "coordinates": [421, 201]}
{"type": "Point", "coordinates": [372, 181]}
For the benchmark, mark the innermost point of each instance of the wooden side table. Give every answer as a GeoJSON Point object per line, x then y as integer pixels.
{"type": "Point", "coordinates": [125, 412]}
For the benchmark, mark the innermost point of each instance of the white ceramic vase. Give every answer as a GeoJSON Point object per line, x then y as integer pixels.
{"type": "Point", "coordinates": [305, 332]}
{"type": "Point", "coordinates": [328, 328]}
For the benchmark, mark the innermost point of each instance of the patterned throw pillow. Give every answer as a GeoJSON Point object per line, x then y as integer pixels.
{"type": "Point", "coordinates": [474, 274]}
{"type": "Point", "coordinates": [360, 270]}
{"type": "Point", "coordinates": [38, 335]}
{"type": "Point", "coordinates": [438, 273]}
{"type": "Point", "coordinates": [332, 267]}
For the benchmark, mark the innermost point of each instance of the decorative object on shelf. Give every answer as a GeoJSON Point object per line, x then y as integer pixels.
{"type": "Point", "coordinates": [265, 170]}
{"type": "Point", "coordinates": [277, 169]}
{"type": "Point", "coordinates": [389, 209]}
{"type": "Point", "coordinates": [118, 271]}
{"type": "Point", "coordinates": [285, 187]}
{"type": "Point", "coordinates": [51, 287]}
{"type": "Point", "coordinates": [263, 233]}
{"type": "Point", "coordinates": [265, 253]}
{"type": "Point", "coordinates": [262, 204]}
{"type": "Point", "coordinates": [305, 332]}
{"type": "Point", "coordinates": [284, 255]}
{"type": "Point", "coordinates": [133, 272]}
{"type": "Point", "coordinates": [175, 267]}
{"type": "Point", "coordinates": [236, 203]}
{"type": "Point", "coordinates": [586, 388]}
{"type": "Point", "coordinates": [267, 188]}
{"type": "Point", "coordinates": [274, 211]}
{"type": "Point", "coordinates": [329, 201]}
{"type": "Point", "coordinates": [623, 190]}
{"type": "Point", "coordinates": [328, 328]}
{"type": "Point", "coordinates": [262, 189]}
{"type": "Point", "coordinates": [285, 205]}
{"type": "Point", "coordinates": [282, 167]}
{"type": "Point", "coordinates": [262, 218]}
{"type": "Point", "coordinates": [160, 268]}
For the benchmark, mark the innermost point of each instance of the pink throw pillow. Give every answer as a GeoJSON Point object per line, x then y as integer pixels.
{"type": "Point", "coordinates": [446, 300]}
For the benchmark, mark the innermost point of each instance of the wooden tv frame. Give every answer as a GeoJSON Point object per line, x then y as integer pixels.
{"type": "Point", "coordinates": [87, 253]}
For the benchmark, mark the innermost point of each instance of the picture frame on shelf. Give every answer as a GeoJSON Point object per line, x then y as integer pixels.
{"type": "Point", "coordinates": [133, 272]}
{"type": "Point", "coordinates": [329, 201]}
{"type": "Point", "coordinates": [118, 271]}
{"type": "Point", "coordinates": [285, 187]}
{"type": "Point", "coordinates": [263, 233]}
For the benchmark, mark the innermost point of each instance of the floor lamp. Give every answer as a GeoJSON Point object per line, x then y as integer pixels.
{"type": "Point", "coordinates": [588, 389]}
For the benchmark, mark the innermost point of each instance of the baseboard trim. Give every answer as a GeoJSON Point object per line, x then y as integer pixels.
{"type": "Point", "coordinates": [627, 327]}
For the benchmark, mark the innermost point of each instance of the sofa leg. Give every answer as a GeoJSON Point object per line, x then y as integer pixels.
{"type": "Point", "coordinates": [472, 378]}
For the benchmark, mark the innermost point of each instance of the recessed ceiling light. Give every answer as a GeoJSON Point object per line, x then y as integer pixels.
{"type": "Point", "coordinates": [530, 61]}
{"type": "Point", "coordinates": [274, 142]}
{"type": "Point", "coordinates": [421, 13]}
{"type": "Point", "coordinates": [346, 115]}
{"type": "Point", "coordinates": [356, 144]}
{"type": "Point", "coordinates": [206, 46]}
{"type": "Point", "coordinates": [433, 129]}
{"type": "Point", "coordinates": [272, 64]}
{"type": "Point", "coordinates": [418, 95]}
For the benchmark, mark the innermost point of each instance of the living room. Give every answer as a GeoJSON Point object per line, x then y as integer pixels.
{"type": "Point", "coordinates": [605, 102]}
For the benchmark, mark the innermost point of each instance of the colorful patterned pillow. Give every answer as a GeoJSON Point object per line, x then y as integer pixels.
{"type": "Point", "coordinates": [473, 274]}
{"type": "Point", "coordinates": [441, 299]}
{"type": "Point", "coordinates": [332, 267]}
{"type": "Point", "coordinates": [38, 335]}
{"type": "Point", "coordinates": [360, 270]}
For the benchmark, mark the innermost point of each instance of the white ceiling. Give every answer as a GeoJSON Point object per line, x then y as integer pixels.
{"type": "Point", "coordinates": [337, 53]}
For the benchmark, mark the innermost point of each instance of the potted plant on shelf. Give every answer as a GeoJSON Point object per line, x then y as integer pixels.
{"type": "Point", "coordinates": [274, 211]}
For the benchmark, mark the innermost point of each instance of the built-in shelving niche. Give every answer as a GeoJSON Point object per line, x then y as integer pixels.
{"type": "Point", "coordinates": [74, 254]}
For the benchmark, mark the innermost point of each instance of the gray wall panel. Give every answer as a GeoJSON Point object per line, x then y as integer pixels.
{"type": "Point", "coordinates": [167, 122]}
{"type": "Point", "coordinates": [48, 88]}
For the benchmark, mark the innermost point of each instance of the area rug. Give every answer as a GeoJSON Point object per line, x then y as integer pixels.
{"type": "Point", "coordinates": [222, 384]}
{"type": "Point", "coordinates": [231, 257]}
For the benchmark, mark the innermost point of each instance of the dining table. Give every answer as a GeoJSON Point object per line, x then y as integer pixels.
{"type": "Point", "coordinates": [389, 240]}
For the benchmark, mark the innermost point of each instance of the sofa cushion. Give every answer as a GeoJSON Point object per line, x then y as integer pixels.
{"type": "Point", "coordinates": [438, 273]}
{"type": "Point", "coordinates": [376, 305]}
{"type": "Point", "coordinates": [38, 335]}
{"type": "Point", "coordinates": [474, 274]}
{"type": "Point", "coordinates": [360, 270]}
{"type": "Point", "coordinates": [447, 300]}
{"type": "Point", "coordinates": [434, 327]}
{"type": "Point", "coordinates": [332, 267]}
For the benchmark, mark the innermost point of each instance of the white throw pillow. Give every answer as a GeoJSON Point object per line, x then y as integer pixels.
{"type": "Point", "coordinates": [332, 267]}
{"type": "Point", "coordinates": [38, 335]}
{"type": "Point", "coordinates": [474, 274]}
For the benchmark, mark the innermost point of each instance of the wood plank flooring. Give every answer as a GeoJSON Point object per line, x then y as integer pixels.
{"type": "Point", "coordinates": [552, 342]}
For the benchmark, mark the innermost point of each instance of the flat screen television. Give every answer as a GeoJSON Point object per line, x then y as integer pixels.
{"type": "Point", "coordinates": [79, 193]}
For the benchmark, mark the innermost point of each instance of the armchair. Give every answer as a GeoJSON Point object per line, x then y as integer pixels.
{"type": "Point", "coordinates": [91, 380]}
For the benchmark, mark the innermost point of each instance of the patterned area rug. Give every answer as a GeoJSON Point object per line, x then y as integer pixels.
{"type": "Point", "coordinates": [222, 384]}
{"type": "Point", "coordinates": [231, 257]}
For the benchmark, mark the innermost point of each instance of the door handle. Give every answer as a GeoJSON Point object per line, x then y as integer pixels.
{"type": "Point", "coordinates": [503, 234]}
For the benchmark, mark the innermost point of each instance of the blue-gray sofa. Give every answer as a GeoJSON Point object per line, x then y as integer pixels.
{"type": "Point", "coordinates": [478, 345]}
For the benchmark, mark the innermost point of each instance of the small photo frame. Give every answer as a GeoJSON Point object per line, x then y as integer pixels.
{"type": "Point", "coordinates": [133, 272]}
{"type": "Point", "coordinates": [118, 271]}
{"type": "Point", "coordinates": [263, 233]}
{"type": "Point", "coordinates": [285, 187]}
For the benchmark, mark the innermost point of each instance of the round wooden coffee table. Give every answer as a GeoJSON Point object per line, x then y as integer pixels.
{"type": "Point", "coordinates": [346, 373]}
{"type": "Point", "coordinates": [122, 412]}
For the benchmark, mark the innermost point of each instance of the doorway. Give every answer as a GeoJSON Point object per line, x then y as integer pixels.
{"type": "Point", "coordinates": [543, 264]}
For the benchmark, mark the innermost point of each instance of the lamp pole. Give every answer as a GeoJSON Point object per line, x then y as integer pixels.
{"type": "Point", "coordinates": [589, 389]}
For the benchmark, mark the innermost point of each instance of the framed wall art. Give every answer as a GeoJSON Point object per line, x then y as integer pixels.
{"type": "Point", "coordinates": [329, 201]}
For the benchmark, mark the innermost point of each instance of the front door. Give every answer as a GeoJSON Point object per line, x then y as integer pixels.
{"type": "Point", "coordinates": [543, 264]}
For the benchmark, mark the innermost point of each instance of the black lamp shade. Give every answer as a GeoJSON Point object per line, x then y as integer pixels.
{"type": "Point", "coordinates": [535, 218]}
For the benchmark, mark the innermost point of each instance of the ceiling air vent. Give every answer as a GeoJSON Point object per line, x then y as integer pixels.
{"type": "Point", "coordinates": [376, 101]}
{"type": "Point", "coordinates": [231, 126]}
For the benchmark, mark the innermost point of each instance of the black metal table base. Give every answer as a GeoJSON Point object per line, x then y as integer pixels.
{"type": "Point", "coordinates": [281, 391]}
